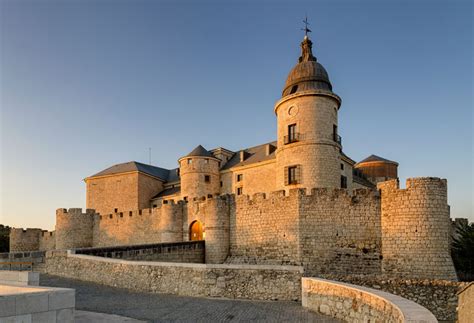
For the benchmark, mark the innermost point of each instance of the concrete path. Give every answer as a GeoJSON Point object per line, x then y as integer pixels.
{"type": "Point", "coordinates": [172, 308]}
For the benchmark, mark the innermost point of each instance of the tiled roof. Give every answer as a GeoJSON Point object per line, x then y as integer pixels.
{"type": "Point", "coordinates": [167, 192]}
{"type": "Point", "coordinates": [373, 158]}
{"type": "Point", "coordinates": [253, 155]}
{"type": "Point", "coordinates": [158, 172]}
{"type": "Point", "coordinates": [200, 151]}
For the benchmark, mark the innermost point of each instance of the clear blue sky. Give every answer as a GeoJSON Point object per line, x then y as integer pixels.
{"type": "Point", "coordinates": [88, 84]}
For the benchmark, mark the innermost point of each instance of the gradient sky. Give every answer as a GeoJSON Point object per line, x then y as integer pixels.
{"type": "Point", "coordinates": [88, 84]}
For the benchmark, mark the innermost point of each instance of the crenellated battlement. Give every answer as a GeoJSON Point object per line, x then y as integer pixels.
{"type": "Point", "coordinates": [416, 228]}
{"type": "Point", "coordinates": [414, 183]}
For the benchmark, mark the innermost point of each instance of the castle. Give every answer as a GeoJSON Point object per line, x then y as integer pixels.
{"type": "Point", "coordinates": [298, 200]}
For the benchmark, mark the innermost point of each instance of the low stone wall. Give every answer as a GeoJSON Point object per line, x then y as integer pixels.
{"type": "Point", "coordinates": [205, 280]}
{"type": "Point", "coordinates": [353, 303]}
{"type": "Point", "coordinates": [191, 252]}
{"type": "Point", "coordinates": [36, 304]}
{"type": "Point", "coordinates": [20, 260]}
{"type": "Point", "coordinates": [438, 296]}
{"type": "Point", "coordinates": [19, 278]}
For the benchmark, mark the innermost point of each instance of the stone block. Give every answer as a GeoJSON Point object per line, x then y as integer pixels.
{"type": "Point", "coordinates": [62, 299]}
{"type": "Point", "coordinates": [65, 315]}
{"type": "Point", "coordinates": [49, 317]}
{"type": "Point", "coordinates": [31, 303]}
{"type": "Point", "coordinates": [17, 319]}
{"type": "Point", "coordinates": [7, 306]}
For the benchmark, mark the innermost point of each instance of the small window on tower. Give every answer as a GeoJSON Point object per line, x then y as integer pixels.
{"type": "Point", "coordinates": [240, 177]}
{"type": "Point", "coordinates": [292, 134]}
{"type": "Point", "coordinates": [294, 89]}
{"type": "Point", "coordinates": [239, 190]}
{"type": "Point", "coordinates": [206, 161]}
{"type": "Point", "coordinates": [342, 166]}
{"type": "Point", "coordinates": [190, 161]}
{"type": "Point", "coordinates": [207, 178]}
{"type": "Point", "coordinates": [292, 175]}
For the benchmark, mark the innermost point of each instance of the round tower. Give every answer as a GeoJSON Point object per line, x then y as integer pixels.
{"type": "Point", "coordinates": [199, 172]}
{"type": "Point", "coordinates": [74, 229]}
{"type": "Point", "coordinates": [309, 146]}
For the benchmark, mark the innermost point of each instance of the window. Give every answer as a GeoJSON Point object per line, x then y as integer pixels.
{"type": "Point", "coordinates": [115, 210]}
{"type": "Point", "coordinates": [343, 182]}
{"type": "Point", "coordinates": [335, 136]}
{"type": "Point", "coordinates": [221, 183]}
{"type": "Point", "coordinates": [190, 161]}
{"type": "Point", "coordinates": [342, 166]}
{"type": "Point", "coordinates": [292, 136]}
{"type": "Point", "coordinates": [206, 161]}
{"type": "Point", "coordinates": [292, 175]}
{"type": "Point", "coordinates": [185, 198]}
{"type": "Point", "coordinates": [294, 89]}
{"type": "Point", "coordinates": [207, 178]}
{"type": "Point", "coordinates": [209, 196]}
{"type": "Point", "coordinates": [239, 190]}
{"type": "Point", "coordinates": [240, 177]}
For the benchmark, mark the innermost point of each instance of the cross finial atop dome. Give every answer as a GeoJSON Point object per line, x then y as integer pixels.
{"type": "Point", "coordinates": [306, 29]}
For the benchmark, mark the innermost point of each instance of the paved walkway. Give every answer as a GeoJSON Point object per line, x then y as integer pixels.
{"type": "Point", "coordinates": [172, 308]}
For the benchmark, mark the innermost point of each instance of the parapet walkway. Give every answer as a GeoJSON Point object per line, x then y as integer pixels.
{"type": "Point", "coordinates": [172, 308]}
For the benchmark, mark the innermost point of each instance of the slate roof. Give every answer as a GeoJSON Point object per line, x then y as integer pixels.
{"type": "Point", "coordinates": [173, 175]}
{"type": "Point", "coordinates": [200, 151]}
{"type": "Point", "coordinates": [167, 192]}
{"type": "Point", "coordinates": [158, 172]}
{"type": "Point", "coordinates": [373, 158]}
{"type": "Point", "coordinates": [253, 155]}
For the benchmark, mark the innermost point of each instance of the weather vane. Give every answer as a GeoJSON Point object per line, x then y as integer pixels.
{"type": "Point", "coordinates": [306, 29]}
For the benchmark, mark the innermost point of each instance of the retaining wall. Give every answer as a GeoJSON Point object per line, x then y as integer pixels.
{"type": "Point", "coordinates": [353, 303]}
{"type": "Point", "coordinates": [204, 280]}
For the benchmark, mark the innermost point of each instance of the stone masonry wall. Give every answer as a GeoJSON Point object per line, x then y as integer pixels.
{"type": "Point", "coordinates": [201, 280]}
{"type": "Point", "coordinates": [352, 303]}
{"type": "Point", "coordinates": [47, 240]}
{"type": "Point", "coordinates": [340, 232]}
{"type": "Point", "coordinates": [438, 296]}
{"type": "Point", "coordinates": [265, 230]}
{"type": "Point", "coordinates": [74, 229]}
{"type": "Point", "coordinates": [121, 191]}
{"type": "Point", "coordinates": [160, 224]}
{"type": "Point", "coordinates": [24, 240]}
{"type": "Point", "coordinates": [416, 229]}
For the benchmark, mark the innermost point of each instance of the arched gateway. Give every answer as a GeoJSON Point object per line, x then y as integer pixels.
{"type": "Point", "coordinates": [195, 231]}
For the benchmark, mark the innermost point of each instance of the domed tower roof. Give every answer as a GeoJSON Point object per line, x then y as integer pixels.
{"type": "Point", "coordinates": [199, 151]}
{"type": "Point", "coordinates": [308, 74]}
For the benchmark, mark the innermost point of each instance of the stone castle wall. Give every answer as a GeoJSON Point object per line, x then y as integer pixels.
{"type": "Point", "coordinates": [395, 232]}
{"type": "Point", "coordinates": [340, 232]}
{"type": "Point", "coordinates": [160, 224]}
{"type": "Point", "coordinates": [24, 239]}
{"type": "Point", "coordinates": [416, 229]}
{"type": "Point", "coordinates": [74, 229]}
{"type": "Point", "coordinates": [47, 240]}
{"type": "Point", "coordinates": [265, 230]}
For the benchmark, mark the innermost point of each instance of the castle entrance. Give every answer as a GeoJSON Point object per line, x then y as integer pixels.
{"type": "Point", "coordinates": [195, 231]}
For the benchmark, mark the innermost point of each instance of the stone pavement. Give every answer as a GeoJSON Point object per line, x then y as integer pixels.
{"type": "Point", "coordinates": [172, 308]}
